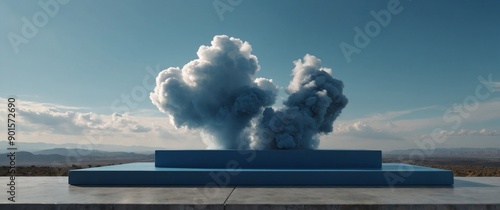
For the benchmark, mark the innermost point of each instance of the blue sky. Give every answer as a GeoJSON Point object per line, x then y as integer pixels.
{"type": "Point", "coordinates": [72, 73]}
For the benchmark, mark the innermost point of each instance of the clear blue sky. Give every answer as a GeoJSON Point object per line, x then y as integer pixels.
{"type": "Point", "coordinates": [426, 59]}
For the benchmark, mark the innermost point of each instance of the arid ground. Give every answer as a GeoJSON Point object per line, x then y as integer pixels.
{"type": "Point", "coordinates": [460, 166]}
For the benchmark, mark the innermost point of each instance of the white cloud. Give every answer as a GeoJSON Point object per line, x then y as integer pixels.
{"type": "Point", "coordinates": [465, 132]}
{"type": "Point", "coordinates": [76, 123]}
{"type": "Point", "coordinates": [122, 122]}
{"type": "Point", "coordinates": [390, 123]}
{"type": "Point", "coordinates": [54, 123]}
{"type": "Point", "coordinates": [400, 125]}
{"type": "Point", "coordinates": [494, 86]}
{"type": "Point", "coordinates": [60, 124]}
{"type": "Point", "coordinates": [364, 130]}
{"type": "Point", "coordinates": [390, 115]}
{"type": "Point", "coordinates": [486, 112]}
{"type": "Point", "coordinates": [388, 120]}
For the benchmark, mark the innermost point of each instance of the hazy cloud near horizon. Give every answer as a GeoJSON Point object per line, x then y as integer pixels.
{"type": "Point", "coordinates": [74, 123]}
{"type": "Point", "coordinates": [351, 134]}
{"type": "Point", "coordinates": [364, 130]}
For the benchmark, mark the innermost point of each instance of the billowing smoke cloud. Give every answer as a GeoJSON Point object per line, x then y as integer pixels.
{"type": "Point", "coordinates": [219, 94]}
{"type": "Point", "coordinates": [315, 100]}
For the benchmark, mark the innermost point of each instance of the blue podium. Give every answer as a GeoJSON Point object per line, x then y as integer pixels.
{"type": "Point", "coordinates": [264, 168]}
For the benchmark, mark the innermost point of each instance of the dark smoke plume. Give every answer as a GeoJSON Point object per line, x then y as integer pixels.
{"type": "Point", "coordinates": [219, 94]}
{"type": "Point", "coordinates": [315, 100]}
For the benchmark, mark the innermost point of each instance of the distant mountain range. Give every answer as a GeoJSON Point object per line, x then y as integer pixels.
{"type": "Point", "coordinates": [46, 154]}
{"type": "Point", "coordinates": [64, 155]}
{"type": "Point", "coordinates": [37, 146]}
{"type": "Point", "coordinates": [453, 152]}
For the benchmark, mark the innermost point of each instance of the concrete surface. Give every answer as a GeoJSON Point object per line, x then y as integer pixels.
{"type": "Point", "coordinates": [56, 193]}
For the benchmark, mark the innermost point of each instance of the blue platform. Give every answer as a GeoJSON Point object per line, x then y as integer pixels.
{"type": "Point", "coordinates": [270, 159]}
{"type": "Point", "coordinates": [148, 174]}
{"type": "Point", "coordinates": [264, 168]}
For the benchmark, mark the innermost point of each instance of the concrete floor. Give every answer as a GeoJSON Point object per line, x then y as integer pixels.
{"type": "Point", "coordinates": [55, 193]}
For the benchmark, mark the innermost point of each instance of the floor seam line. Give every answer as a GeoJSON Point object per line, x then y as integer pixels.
{"type": "Point", "coordinates": [224, 204]}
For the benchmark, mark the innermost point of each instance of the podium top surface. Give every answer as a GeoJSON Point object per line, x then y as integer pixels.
{"type": "Point", "coordinates": [270, 159]}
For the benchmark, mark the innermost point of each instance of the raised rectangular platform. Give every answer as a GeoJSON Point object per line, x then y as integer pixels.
{"type": "Point", "coordinates": [390, 174]}
{"type": "Point", "coordinates": [270, 159]}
